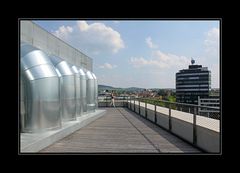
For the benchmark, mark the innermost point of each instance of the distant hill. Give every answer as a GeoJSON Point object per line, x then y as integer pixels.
{"type": "Point", "coordinates": [133, 89]}
{"type": "Point", "coordinates": [105, 87]}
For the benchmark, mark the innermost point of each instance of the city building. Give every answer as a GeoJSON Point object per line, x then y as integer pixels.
{"type": "Point", "coordinates": [192, 83]}
{"type": "Point", "coordinates": [211, 102]}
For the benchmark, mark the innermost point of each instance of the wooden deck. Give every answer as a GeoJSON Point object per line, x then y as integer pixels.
{"type": "Point", "coordinates": [121, 131]}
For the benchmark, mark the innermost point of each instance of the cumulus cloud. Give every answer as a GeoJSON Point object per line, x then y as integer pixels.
{"type": "Point", "coordinates": [94, 38]}
{"type": "Point", "coordinates": [63, 32]}
{"type": "Point", "coordinates": [150, 43]}
{"type": "Point", "coordinates": [212, 47]}
{"type": "Point", "coordinates": [107, 66]}
{"type": "Point", "coordinates": [211, 42]}
{"type": "Point", "coordinates": [160, 60]}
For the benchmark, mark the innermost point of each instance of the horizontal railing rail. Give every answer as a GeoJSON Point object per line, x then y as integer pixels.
{"type": "Point", "coordinates": [166, 114]}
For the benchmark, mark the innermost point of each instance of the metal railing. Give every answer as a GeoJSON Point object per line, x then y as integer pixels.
{"type": "Point", "coordinates": [150, 109]}
{"type": "Point", "coordinates": [119, 101]}
{"type": "Point", "coordinates": [206, 111]}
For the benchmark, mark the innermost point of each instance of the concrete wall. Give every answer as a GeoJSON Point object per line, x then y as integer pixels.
{"type": "Point", "coordinates": [208, 139]}
{"type": "Point", "coordinates": [150, 115]}
{"type": "Point", "coordinates": [208, 136]}
{"type": "Point", "coordinates": [132, 106]}
{"type": "Point", "coordinates": [142, 111]}
{"type": "Point", "coordinates": [40, 38]}
{"type": "Point", "coordinates": [137, 109]}
{"type": "Point", "coordinates": [182, 129]}
{"type": "Point", "coordinates": [163, 120]}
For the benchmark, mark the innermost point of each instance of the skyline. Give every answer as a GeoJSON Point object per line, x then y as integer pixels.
{"type": "Point", "coordinates": [145, 54]}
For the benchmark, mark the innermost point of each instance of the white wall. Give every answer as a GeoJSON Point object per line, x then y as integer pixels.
{"type": "Point", "coordinates": [208, 130]}
{"type": "Point", "coordinates": [208, 139]}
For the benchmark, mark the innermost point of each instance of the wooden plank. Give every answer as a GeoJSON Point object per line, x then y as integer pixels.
{"type": "Point", "coordinates": [120, 131]}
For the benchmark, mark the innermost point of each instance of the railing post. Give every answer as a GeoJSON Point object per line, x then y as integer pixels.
{"type": "Point", "coordinates": [130, 103]}
{"type": "Point", "coordinates": [170, 119]}
{"type": "Point", "coordinates": [134, 104]}
{"type": "Point", "coordinates": [194, 126]}
{"type": "Point", "coordinates": [139, 106]}
{"type": "Point", "coordinates": [146, 109]}
{"type": "Point", "coordinates": [155, 113]}
{"type": "Point", "coordinates": [106, 100]}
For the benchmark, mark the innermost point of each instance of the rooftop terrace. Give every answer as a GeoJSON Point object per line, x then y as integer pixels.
{"type": "Point", "coordinates": [120, 130]}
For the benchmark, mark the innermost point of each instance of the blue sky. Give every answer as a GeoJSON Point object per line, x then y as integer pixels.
{"type": "Point", "coordinates": [142, 53]}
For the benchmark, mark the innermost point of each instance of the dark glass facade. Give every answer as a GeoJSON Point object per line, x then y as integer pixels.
{"type": "Point", "coordinates": [191, 83]}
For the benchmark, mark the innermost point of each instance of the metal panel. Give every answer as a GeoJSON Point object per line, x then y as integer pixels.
{"type": "Point", "coordinates": [26, 48]}
{"type": "Point", "coordinates": [38, 72]}
{"type": "Point", "coordinates": [90, 92]}
{"type": "Point", "coordinates": [55, 59]}
{"type": "Point", "coordinates": [64, 69]}
{"type": "Point", "coordinates": [95, 89]}
{"type": "Point", "coordinates": [34, 58]}
{"type": "Point", "coordinates": [22, 101]}
{"type": "Point", "coordinates": [43, 105]}
{"type": "Point", "coordinates": [40, 92]}
{"type": "Point", "coordinates": [77, 84]}
{"type": "Point", "coordinates": [68, 98]}
{"type": "Point", "coordinates": [83, 93]}
{"type": "Point", "coordinates": [67, 88]}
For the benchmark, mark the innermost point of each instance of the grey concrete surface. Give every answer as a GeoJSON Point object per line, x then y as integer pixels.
{"type": "Point", "coordinates": [34, 142]}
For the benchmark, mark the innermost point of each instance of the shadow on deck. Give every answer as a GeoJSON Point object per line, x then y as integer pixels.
{"type": "Point", "coordinates": [120, 131]}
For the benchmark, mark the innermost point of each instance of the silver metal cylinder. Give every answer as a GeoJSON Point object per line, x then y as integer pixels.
{"type": "Point", "coordinates": [67, 89]}
{"type": "Point", "coordinates": [40, 92]}
{"type": "Point", "coordinates": [83, 91]}
{"type": "Point", "coordinates": [22, 101]}
{"type": "Point", "coordinates": [90, 92]}
{"type": "Point", "coordinates": [95, 90]}
{"type": "Point", "coordinates": [77, 85]}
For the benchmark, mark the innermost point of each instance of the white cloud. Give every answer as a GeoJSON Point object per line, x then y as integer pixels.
{"type": "Point", "coordinates": [150, 43]}
{"type": "Point", "coordinates": [107, 66]}
{"type": "Point", "coordinates": [211, 56]}
{"type": "Point", "coordinates": [161, 60]}
{"type": "Point", "coordinates": [211, 42]}
{"type": "Point", "coordinates": [94, 38]}
{"type": "Point", "coordinates": [63, 32]}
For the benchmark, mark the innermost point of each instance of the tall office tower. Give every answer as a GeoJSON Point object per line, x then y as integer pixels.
{"type": "Point", "coordinates": [193, 82]}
